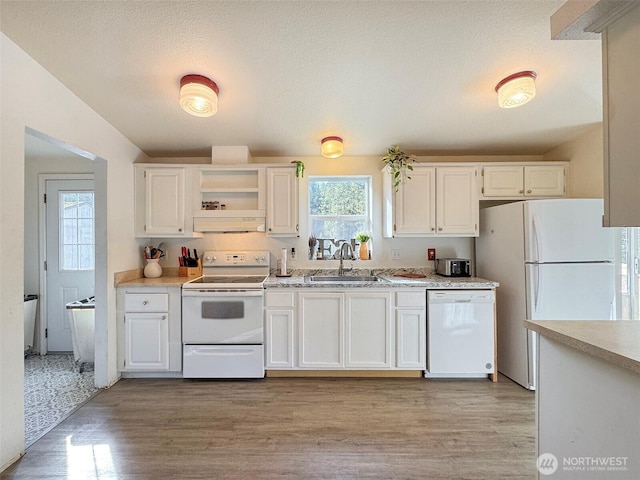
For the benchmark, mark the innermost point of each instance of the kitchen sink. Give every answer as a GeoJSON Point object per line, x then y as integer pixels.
{"type": "Point", "coordinates": [343, 279]}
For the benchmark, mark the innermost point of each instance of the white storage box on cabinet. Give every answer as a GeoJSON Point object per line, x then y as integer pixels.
{"type": "Point", "coordinates": [149, 329]}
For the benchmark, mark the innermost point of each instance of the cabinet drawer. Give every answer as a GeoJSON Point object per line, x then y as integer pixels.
{"type": "Point", "coordinates": [411, 299]}
{"type": "Point", "coordinates": [152, 302]}
{"type": "Point", "coordinates": [280, 299]}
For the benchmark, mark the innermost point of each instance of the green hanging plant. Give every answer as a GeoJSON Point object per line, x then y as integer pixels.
{"type": "Point", "coordinates": [299, 168]}
{"type": "Point", "coordinates": [398, 162]}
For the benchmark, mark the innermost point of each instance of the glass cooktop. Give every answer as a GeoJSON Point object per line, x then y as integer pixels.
{"type": "Point", "coordinates": [215, 279]}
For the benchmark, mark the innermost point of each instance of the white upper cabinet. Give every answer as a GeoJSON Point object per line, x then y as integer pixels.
{"type": "Point", "coordinates": [520, 181]}
{"type": "Point", "coordinates": [457, 207]}
{"type": "Point", "coordinates": [440, 200]}
{"type": "Point", "coordinates": [621, 59]}
{"type": "Point", "coordinates": [415, 201]}
{"type": "Point", "coordinates": [160, 202]}
{"type": "Point", "coordinates": [282, 202]}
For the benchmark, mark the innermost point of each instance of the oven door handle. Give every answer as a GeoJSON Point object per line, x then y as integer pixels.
{"type": "Point", "coordinates": [221, 293]}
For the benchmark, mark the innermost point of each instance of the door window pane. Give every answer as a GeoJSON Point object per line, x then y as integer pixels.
{"type": "Point", "coordinates": [77, 231]}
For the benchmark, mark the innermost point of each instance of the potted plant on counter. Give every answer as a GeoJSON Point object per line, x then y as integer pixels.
{"type": "Point", "coordinates": [398, 162]}
{"type": "Point", "coordinates": [363, 238]}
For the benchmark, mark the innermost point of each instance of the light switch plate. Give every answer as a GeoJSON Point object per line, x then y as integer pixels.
{"type": "Point", "coordinates": [395, 254]}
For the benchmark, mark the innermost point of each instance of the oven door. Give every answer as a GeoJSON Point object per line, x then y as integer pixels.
{"type": "Point", "coordinates": [222, 317]}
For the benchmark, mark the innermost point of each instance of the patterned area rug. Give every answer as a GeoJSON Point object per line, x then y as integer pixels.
{"type": "Point", "coordinates": [53, 389]}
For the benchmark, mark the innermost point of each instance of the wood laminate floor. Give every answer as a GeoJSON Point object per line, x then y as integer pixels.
{"type": "Point", "coordinates": [286, 428]}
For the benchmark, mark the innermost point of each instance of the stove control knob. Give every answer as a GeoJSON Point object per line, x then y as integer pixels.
{"type": "Point", "coordinates": [263, 259]}
{"type": "Point", "coordinates": [256, 258]}
{"type": "Point", "coordinates": [208, 258]}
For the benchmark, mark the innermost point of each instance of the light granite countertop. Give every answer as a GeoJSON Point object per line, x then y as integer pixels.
{"type": "Point", "coordinates": [617, 342]}
{"type": "Point", "coordinates": [391, 279]}
{"type": "Point", "coordinates": [164, 281]}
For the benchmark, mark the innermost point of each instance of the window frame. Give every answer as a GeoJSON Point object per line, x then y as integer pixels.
{"type": "Point", "coordinates": [367, 216]}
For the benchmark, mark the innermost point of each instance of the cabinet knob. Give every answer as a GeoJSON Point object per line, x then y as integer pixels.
{"type": "Point", "coordinates": [521, 191]}
{"type": "Point", "coordinates": [269, 228]}
{"type": "Point", "coordinates": [144, 302]}
{"type": "Point", "coordinates": [164, 317]}
{"type": "Point", "coordinates": [180, 230]}
{"type": "Point", "coordinates": [433, 229]}
{"type": "Point", "coordinates": [528, 191]}
{"type": "Point", "coordinates": [440, 229]}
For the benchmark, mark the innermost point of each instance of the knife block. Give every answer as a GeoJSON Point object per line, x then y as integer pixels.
{"type": "Point", "coordinates": [191, 272]}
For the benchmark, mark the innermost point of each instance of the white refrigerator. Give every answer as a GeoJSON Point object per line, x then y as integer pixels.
{"type": "Point", "coordinates": [554, 261]}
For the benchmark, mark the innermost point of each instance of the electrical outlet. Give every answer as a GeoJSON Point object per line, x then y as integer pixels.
{"type": "Point", "coordinates": [431, 253]}
{"type": "Point", "coordinates": [395, 255]}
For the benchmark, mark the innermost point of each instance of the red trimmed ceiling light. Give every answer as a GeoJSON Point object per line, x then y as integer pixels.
{"type": "Point", "coordinates": [516, 89]}
{"type": "Point", "coordinates": [199, 95]}
{"type": "Point", "coordinates": [332, 147]}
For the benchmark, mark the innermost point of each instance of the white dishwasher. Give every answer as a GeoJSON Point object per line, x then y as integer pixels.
{"type": "Point", "coordinates": [460, 333]}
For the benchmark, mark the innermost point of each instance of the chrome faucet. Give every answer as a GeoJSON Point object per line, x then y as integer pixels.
{"type": "Point", "coordinates": [341, 269]}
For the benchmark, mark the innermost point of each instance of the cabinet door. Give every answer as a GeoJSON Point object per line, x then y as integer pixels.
{"type": "Point", "coordinates": [543, 181]}
{"type": "Point", "coordinates": [164, 201]}
{"type": "Point", "coordinates": [320, 332]}
{"type": "Point", "coordinates": [457, 202]}
{"type": "Point", "coordinates": [282, 202]}
{"type": "Point", "coordinates": [503, 181]}
{"type": "Point", "coordinates": [411, 338]}
{"type": "Point", "coordinates": [368, 330]}
{"type": "Point", "coordinates": [415, 203]}
{"type": "Point", "coordinates": [146, 341]}
{"type": "Point", "coordinates": [279, 338]}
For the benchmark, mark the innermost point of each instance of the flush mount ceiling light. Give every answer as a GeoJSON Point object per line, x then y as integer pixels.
{"type": "Point", "coordinates": [199, 95]}
{"type": "Point", "coordinates": [332, 147]}
{"type": "Point", "coordinates": [516, 89]}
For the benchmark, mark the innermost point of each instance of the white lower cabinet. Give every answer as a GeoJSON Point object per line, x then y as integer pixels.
{"type": "Point", "coordinates": [279, 318]}
{"type": "Point", "coordinates": [149, 329]}
{"type": "Point", "coordinates": [320, 330]}
{"type": "Point", "coordinates": [146, 340]}
{"type": "Point", "coordinates": [353, 330]}
{"type": "Point", "coordinates": [411, 329]}
{"type": "Point", "coordinates": [368, 330]}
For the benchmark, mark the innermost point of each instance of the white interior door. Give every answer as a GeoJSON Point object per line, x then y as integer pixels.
{"type": "Point", "coordinates": [70, 254]}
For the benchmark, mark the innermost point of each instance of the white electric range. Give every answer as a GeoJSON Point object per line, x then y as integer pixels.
{"type": "Point", "coordinates": [222, 316]}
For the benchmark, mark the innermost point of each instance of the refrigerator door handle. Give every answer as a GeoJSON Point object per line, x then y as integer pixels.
{"type": "Point", "coordinates": [536, 237]}
{"type": "Point", "coordinates": [537, 293]}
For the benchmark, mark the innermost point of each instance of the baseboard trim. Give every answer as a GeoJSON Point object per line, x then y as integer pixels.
{"type": "Point", "coordinates": [346, 373]}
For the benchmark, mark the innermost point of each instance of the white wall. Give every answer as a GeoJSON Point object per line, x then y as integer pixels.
{"type": "Point", "coordinates": [586, 163]}
{"type": "Point", "coordinates": [32, 98]}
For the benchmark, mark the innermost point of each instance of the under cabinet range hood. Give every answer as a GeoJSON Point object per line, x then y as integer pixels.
{"type": "Point", "coordinates": [229, 224]}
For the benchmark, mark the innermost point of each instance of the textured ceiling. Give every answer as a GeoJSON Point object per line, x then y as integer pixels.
{"type": "Point", "coordinates": [417, 73]}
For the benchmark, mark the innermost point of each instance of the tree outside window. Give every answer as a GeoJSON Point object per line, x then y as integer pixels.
{"type": "Point", "coordinates": [339, 207]}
